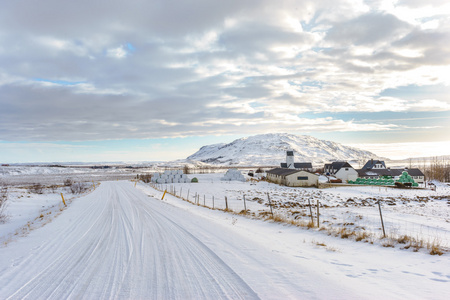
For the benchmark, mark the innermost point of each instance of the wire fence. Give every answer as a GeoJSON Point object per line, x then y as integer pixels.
{"type": "Point", "coordinates": [374, 219]}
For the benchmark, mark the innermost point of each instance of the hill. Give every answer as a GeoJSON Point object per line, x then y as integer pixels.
{"type": "Point", "coordinates": [270, 150]}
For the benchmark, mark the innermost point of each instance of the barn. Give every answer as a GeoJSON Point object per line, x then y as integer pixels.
{"type": "Point", "coordinates": [292, 177]}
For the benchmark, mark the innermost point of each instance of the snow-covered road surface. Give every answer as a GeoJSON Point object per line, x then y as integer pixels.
{"type": "Point", "coordinates": [121, 244]}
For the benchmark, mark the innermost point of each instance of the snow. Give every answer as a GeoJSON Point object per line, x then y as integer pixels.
{"type": "Point", "coordinates": [122, 241]}
{"type": "Point", "coordinates": [270, 150]}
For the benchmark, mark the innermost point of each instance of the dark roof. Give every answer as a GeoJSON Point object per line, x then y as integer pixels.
{"type": "Point", "coordinates": [371, 163]}
{"type": "Point", "coordinates": [285, 172]}
{"type": "Point", "coordinates": [302, 165]}
{"type": "Point", "coordinates": [388, 172]}
{"type": "Point", "coordinates": [298, 165]}
{"type": "Point", "coordinates": [337, 165]}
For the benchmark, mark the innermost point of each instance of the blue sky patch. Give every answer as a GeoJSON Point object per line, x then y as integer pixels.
{"type": "Point", "coordinates": [60, 82]}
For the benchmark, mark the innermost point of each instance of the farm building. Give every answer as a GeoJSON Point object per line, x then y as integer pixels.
{"type": "Point", "coordinates": [342, 170]}
{"type": "Point", "coordinates": [416, 174]}
{"type": "Point", "coordinates": [374, 164]}
{"type": "Point", "coordinates": [292, 177]}
{"type": "Point", "coordinates": [290, 164]}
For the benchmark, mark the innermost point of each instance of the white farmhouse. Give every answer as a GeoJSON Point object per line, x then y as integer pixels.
{"type": "Point", "coordinates": [342, 170]}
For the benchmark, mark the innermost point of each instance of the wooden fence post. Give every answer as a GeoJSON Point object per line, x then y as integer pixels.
{"type": "Point", "coordinates": [310, 212]}
{"type": "Point", "coordinates": [381, 216]}
{"type": "Point", "coordinates": [318, 214]}
{"type": "Point", "coordinates": [226, 203]}
{"type": "Point", "coordinates": [270, 204]}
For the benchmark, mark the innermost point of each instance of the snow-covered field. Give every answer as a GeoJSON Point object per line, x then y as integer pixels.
{"type": "Point", "coordinates": [421, 214]}
{"type": "Point", "coordinates": [122, 241]}
{"type": "Point", "coordinates": [28, 175]}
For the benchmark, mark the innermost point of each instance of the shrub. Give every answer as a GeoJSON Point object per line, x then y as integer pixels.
{"type": "Point", "coordinates": [146, 178]}
{"type": "Point", "coordinates": [79, 187]}
{"type": "Point", "coordinates": [68, 182]}
{"type": "Point", "coordinates": [36, 188]}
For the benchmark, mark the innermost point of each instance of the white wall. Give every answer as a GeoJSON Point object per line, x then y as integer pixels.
{"type": "Point", "coordinates": [346, 174]}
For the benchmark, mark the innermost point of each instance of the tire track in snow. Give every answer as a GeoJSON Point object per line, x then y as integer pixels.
{"type": "Point", "coordinates": [118, 245]}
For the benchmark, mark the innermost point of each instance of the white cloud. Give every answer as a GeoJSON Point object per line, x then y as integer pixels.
{"type": "Point", "coordinates": [119, 52]}
{"type": "Point", "coordinates": [201, 68]}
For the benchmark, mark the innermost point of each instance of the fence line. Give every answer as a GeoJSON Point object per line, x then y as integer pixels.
{"type": "Point", "coordinates": [368, 221]}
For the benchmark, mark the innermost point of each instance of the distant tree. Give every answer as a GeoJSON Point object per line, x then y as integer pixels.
{"type": "Point", "coordinates": [438, 169]}
{"type": "Point", "coordinates": [319, 170]}
{"type": "Point", "coordinates": [259, 170]}
{"type": "Point", "coordinates": [186, 169]}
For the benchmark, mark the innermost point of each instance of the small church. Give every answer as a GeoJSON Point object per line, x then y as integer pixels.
{"type": "Point", "coordinates": [290, 164]}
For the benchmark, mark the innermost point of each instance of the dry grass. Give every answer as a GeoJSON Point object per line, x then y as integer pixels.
{"type": "Point", "coordinates": [343, 232]}
{"type": "Point", "coordinates": [362, 236]}
{"type": "Point", "coordinates": [404, 239]}
{"type": "Point", "coordinates": [435, 248]}
{"type": "Point", "coordinates": [388, 242]}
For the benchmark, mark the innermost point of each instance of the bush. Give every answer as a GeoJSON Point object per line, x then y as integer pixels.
{"type": "Point", "coordinates": [146, 178]}
{"type": "Point", "coordinates": [68, 182]}
{"type": "Point", "coordinates": [79, 187]}
{"type": "Point", "coordinates": [36, 188]}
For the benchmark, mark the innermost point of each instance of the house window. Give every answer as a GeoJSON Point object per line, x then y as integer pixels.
{"type": "Point", "coordinates": [302, 178]}
{"type": "Point", "coordinates": [346, 169]}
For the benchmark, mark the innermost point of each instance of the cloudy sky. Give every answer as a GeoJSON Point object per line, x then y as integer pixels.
{"type": "Point", "coordinates": [141, 80]}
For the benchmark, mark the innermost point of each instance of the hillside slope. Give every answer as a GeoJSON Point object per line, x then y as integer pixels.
{"type": "Point", "coordinates": [270, 149]}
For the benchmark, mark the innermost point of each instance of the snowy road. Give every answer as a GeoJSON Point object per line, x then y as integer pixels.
{"type": "Point", "coordinates": [119, 243]}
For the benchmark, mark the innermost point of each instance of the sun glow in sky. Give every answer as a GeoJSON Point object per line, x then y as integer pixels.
{"type": "Point", "coordinates": [156, 80]}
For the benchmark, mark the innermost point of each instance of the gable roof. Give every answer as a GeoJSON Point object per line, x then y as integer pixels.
{"type": "Point", "coordinates": [371, 163]}
{"type": "Point", "coordinates": [337, 165]}
{"type": "Point", "coordinates": [304, 165]}
{"type": "Point", "coordinates": [298, 165]}
{"type": "Point", "coordinates": [286, 172]}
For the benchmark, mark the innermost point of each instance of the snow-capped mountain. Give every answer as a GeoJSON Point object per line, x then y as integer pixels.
{"type": "Point", "coordinates": [270, 149]}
